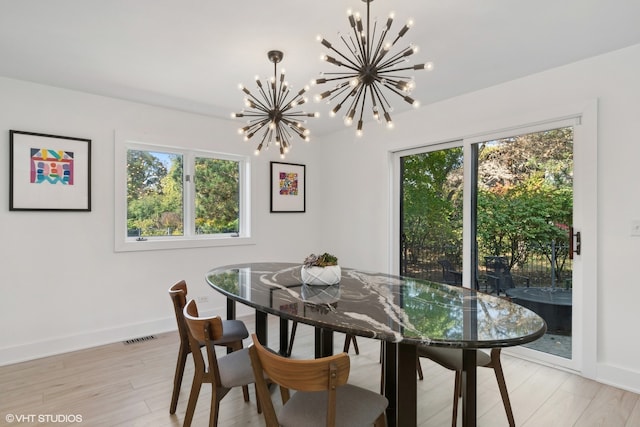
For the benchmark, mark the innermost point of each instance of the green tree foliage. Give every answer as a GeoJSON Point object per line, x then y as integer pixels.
{"type": "Point", "coordinates": [144, 174]}
{"type": "Point", "coordinates": [154, 194]}
{"type": "Point", "coordinates": [432, 200]}
{"type": "Point", "coordinates": [217, 195]}
{"type": "Point", "coordinates": [525, 196]}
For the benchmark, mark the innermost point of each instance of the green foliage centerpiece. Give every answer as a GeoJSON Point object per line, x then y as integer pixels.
{"type": "Point", "coordinates": [322, 270]}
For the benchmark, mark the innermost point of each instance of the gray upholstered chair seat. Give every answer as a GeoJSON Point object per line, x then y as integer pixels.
{"type": "Point", "coordinates": [235, 369]}
{"type": "Point", "coordinates": [355, 407]}
{"type": "Point", "coordinates": [451, 358]}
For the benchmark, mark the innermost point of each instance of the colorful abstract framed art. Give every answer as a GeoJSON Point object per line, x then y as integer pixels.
{"type": "Point", "coordinates": [288, 187]}
{"type": "Point", "coordinates": [49, 172]}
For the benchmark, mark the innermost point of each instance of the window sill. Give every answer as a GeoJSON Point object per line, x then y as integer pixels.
{"type": "Point", "coordinates": [131, 245]}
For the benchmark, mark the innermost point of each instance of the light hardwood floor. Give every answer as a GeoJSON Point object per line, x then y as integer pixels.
{"type": "Point", "coordinates": [130, 385]}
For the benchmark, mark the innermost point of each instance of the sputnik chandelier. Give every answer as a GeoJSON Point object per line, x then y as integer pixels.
{"type": "Point", "coordinates": [271, 112]}
{"type": "Point", "coordinates": [369, 71]}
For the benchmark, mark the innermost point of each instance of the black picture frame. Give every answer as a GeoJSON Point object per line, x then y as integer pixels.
{"type": "Point", "coordinates": [288, 187]}
{"type": "Point", "coordinates": [49, 172]}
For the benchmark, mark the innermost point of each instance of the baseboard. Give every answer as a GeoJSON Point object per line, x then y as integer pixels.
{"type": "Point", "coordinates": [619, 377]}
{"type": "Point", "coordinates": [65, 344]}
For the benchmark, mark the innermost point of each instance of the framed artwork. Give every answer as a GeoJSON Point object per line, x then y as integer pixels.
{"type": "Point", "coordinates": [287, 187]}
{"type": "Point", "coordinates": [49, 172]}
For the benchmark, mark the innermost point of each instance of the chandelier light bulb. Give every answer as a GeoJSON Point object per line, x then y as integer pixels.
{"type": "Point", "coordinates": [271, 111]}
{"type": "Point", "coordinates": [369, 70]}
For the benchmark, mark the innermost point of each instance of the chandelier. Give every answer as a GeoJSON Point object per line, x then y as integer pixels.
{"type": "Point", "coordinates": [272, 111]}
{"type": "Point", "coordinates": [370, 71]}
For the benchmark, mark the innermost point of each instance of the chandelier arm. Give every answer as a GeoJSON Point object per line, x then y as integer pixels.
{"type": "Point", "coordinates": [354, 93]}
{"type": "Point", "coordinates": [260, 105]}
{"type": "Point", "coordinates": [351, 64]}
{"type": "Point", "coordinates": [381, 97]}
{"type": "Point", "coordinates": [255, 127]}
{"type": "Point", "coordinates": [406, 97]}
{"type": "Point", "coordinates": [387, 66]}
{"type": "Point", "coordinates": [340, 91]}
{"type": "Point", "coordinates": [361, 93]}
{"type": "Point", "coordinates": [295, 128]}
{"type": "Point", "coordinates": [380, 52]}
{"type": "Point", "coordinates": [286, 105]}
{"type": "Point", "coordinates": [359, 44]}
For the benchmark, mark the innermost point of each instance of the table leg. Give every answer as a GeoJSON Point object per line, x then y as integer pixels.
{"type": "Point", "coordinates": [390, 380]}
{"type": "Point", "coordinates": [323, 342]}
{"type": "Point", "coordinates": [231, 309]}
{"type": "Point", "coordinates": [407, 388]}
{"type": "Point", "coordinates": [261, 327]}
{"type": "Point", "coordinates": [469, 384]}
{"type": "Point", "coordinates": [284, 337]}
{"type": "Point", "coordinates": [400, 387]}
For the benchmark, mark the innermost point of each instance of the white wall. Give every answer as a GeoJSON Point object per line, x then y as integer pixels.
{"type": "Point", "coordinates": [360, 177]}
{"type": "Point", "coordinates": [62, 285]}
{"type": "Point", "coordinates": [77, 292]}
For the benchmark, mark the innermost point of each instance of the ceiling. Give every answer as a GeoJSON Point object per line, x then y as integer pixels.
{"type": "Point", "coordinates": [192, 54]}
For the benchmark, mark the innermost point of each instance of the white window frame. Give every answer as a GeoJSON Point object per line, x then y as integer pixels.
{"type": "Point", "coordinates": [124, 243]}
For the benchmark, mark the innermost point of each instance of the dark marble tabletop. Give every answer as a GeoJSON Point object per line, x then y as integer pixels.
{"type": "Point", "coordinates": [382, 306]}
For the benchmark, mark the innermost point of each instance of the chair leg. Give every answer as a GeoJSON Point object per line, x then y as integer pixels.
{"type": "Point", "coordinates": [258, 405]}
{"type": "Point", "coordinates": [347, 342]}
{"type": "Point", "coordinates": [502, 385]}
{"type": "Point", "coordinates": [419, 369]}
{"type": "Point", "coordinates": [193, 399]}
{"type": "Point", "coordinates": [215, 407]}
{"type": "Point", "coordinates": [177, 378]}
{"type": "Point", "coordinates": [382, 383]}
{"type": "Point", "coordinates": [294, 326]}
{"type": "Point", "coordinates": [457, 389]}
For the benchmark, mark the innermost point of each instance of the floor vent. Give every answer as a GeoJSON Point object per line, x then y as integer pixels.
{"type": "Point", "coordinates": [137, 340]}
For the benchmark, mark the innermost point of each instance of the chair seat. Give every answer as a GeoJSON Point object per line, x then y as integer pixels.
{"type": "Point", "coordinates": [451, 358]}
{"type": "Point", "coordinates": [355, 407]}
{"type": "Point", "coordinates": [232, 330]}
{"type": "Point", "coordinates": [235, 369]}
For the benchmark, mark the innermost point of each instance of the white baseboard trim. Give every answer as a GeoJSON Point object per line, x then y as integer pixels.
{"type": "Point", "coordinates": [65, 344]}
{"type": "Point", "coordinates": [616, 376]}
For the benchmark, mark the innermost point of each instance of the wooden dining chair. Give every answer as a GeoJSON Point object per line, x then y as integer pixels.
{"type": "Point", "coordinates": [233, 332]}
{"type": "Point", "coordinates": [322, 397]}
{"type": "Point", "coordinates": [223, 373]}
{"type": "Point", "coordinates": [451, 358]}
{"type": "Point", "coordinates": [348, 339]}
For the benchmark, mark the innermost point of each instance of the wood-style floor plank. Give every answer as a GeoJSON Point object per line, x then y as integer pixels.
{"type": "Point", "coordinates": [130, 385]}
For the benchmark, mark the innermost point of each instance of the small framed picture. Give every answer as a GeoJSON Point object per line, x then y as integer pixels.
{"type": "Point", "coordinates": [288, 187]}
{"type": "Point", "coordinates": [49, 172]}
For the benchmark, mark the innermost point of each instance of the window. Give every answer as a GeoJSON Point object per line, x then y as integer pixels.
{"type": "Point", "coordinates": [172, 197]}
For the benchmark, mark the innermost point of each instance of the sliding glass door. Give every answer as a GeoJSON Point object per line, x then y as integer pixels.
{"type": "Point", "coordinates": [497, 213]}
{"type": "Point", "coordinates": [524, 214]}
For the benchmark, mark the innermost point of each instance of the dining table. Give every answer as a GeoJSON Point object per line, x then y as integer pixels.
{"type": "Point", "coordinates": [402, 312]}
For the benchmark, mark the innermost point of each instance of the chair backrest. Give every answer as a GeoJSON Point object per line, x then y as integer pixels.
{"type": "Point", "coordinates": [178, 294]}
{"type": "Point", "coordinates": [203, 330]}
{"type": "Point", "coordinates": [499, 266]}
{"type": "Point", "coordinates": [324, 374]}
{"type": "Point", "coordinates": [449, 274]}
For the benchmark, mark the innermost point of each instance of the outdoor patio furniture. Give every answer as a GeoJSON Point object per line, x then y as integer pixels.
{"type": "Point", "coordinates": [449, 274]}
{"type": "Point", "coordinates": [499, 277]}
